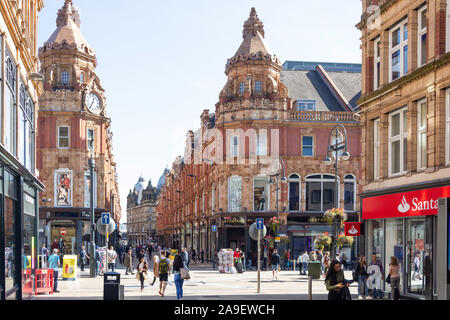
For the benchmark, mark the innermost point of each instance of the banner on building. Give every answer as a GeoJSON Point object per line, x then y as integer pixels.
{"type": "Point", "coordinates": [353, 229]}
{"type": "Point", "coordinates": [63, 188]}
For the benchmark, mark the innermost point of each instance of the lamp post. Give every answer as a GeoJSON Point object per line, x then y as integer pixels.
{"type": "Point", "coordinates": [92, 260]}
{"type": "Point", "coordinates": [277, 181]}
{"type": "Point", "coordinates": [338, 145]}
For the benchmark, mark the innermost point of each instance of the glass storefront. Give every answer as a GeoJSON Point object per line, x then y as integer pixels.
{"type": "Point", "coordinates": [410, 241]}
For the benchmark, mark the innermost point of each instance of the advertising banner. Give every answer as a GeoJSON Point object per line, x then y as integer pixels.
{"type": "Point", "coordinates": [405, 204]}
{"type": "Point", "coordinates": [69, 267]}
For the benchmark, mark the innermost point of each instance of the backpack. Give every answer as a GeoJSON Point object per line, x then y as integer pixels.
{"type": "Point", "coordinates": [163, 266]}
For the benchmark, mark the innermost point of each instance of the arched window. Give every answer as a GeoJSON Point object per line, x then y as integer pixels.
{"type": "Point", "coordinates": [349, 192]}
{"type": "Point", "coordinates": [294, 192]}
{"type": "Point", "coordinates": [65, 77]}
{"type": "Point", "coordinates": [320, 192]}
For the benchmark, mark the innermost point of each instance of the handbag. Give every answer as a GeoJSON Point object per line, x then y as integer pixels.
{"type": "Point", "coordinates": [388, 279]}
{"type": "Point", "coordinates": [185, 274]}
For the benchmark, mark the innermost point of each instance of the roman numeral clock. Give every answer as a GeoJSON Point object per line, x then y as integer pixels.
{"type": "Point", "coordinates": [93, 102]}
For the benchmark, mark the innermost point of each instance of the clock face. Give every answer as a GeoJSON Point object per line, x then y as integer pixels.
{"type": "Point", "coordinates": [93, 102]}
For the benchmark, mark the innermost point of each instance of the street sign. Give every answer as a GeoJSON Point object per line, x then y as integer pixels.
{"type": "Point", "coordinates": [105, 218]}
{"type": "Point", "coordinates": [106, 228]}
{"type": "Point", "coordinates": [214, 228]}
{"type": "Point", "coordinates": [277, 239]}
{"type": "Point", "coordinates": [259, 224]}
{"type": "Point", "coordinates": [63, 231]}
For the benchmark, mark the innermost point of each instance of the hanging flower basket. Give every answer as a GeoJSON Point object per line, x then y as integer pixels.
{"type": "Point", "coordinates": [344, 240]}
{"type": "Point", "coordinates": [270, 240]}
{"type": "Point", "coordinates": [322, 241]}
{"type": "Point", "coordinates": [274, 223]}
{"type": "Point", "coordinates": [284, 239]}
{"type": "Point", "coordinates": [330, 215]}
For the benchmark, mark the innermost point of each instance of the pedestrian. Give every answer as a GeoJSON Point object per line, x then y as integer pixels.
{"type": "Point", "coordinates": [111, 255]}
{"type": "Point", "coordinates": [53, 263]}
{"type": "Point", "coordinates": [305, 260]}
{"type": "Point", "coordinates": [202, 255]}
{"type": "Point", "coordinates": [376, 269]}
{"type": "Point", "coordinates": [155, 268]}
{"type": "Point", "coordinates": [128, 262]}
{"type": "Point", "coordinates": [361, 274]}
{"type": "Point", "coordinates": [275, 263]}
{"type": "Point", "coordinates": [312, 256]}
{"type": "Point", "coordinates": [394, 272]}
{"type": "Point", "coordinates": [194, 254]}
{"type": "Point", "coordinates": [287, 258]}
{"type": "Point", "coordinates": [417, 267]}
{"type": "Point", "coordinates": [185, 258]}
{"type": "Point", "coordinates": [121, 254]}
{"type": "Point", "coordinates": [164, 272]}
{"type": "Point", "coordinates": [83, 257]}
{"type": "Point", "coordinates": [141, 269]}
{"type": "Point", "coordinates": [177, 265]}
{"type": "Point", "coordinates": [326, 263]}
{"type": "Point", "coordinates": [98, 261]}
{"type": "Point", "coordinates": [243, 260]}
{"type": "Point", "coordinates": [141, 255]}
{"type": "Point", "coordinates": [43, 256]}
{"type": "Point", "coordinates": [319, 257]}
{"type": "Point", "coordinates": [336, 284]}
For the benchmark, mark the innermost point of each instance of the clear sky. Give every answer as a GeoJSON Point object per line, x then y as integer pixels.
{"type": "Point", "coordinates": [162, 62]}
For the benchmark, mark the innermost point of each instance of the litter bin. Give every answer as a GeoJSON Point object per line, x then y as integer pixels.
{"type": "Point", "coordinates": [314, 269]}
{"type": "Point", "coordinates": [111, 286]}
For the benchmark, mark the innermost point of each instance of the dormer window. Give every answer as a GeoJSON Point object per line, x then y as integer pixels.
{"type": "Point", "coordinates": [306, 105]}
{"type": "Point", "coordinates": [258, 86]}
{"type": "Point", "coordinates": [65, 77]}
{"type": "Point", "coordinates": [241, 87]}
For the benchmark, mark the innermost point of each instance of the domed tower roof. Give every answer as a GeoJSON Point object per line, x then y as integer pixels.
{"type": "Point", "coordinates": [253, 47]}
{"type": "Point", "coordinates": [162, 180]}
{"type": "Point", "coordinates": [67, 34]}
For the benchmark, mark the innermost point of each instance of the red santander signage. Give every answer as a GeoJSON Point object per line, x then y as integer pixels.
{"type": "Point", "coordinates": [405, 204]}
{"type": "Point", "coordinates": [353, 229]}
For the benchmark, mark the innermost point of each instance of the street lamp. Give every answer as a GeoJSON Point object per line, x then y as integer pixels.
{"type": "Point", "coordinates": [333, 149]}
{"type": "Point", "coordinates": [92, 261]}
{"type": "Point", "coordinates": [277, 181]}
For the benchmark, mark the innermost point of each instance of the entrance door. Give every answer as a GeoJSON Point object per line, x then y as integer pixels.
{"type": "Point", "coordinates": [301, 244]}
{"type": "Point", "coordinates": [415, 240]}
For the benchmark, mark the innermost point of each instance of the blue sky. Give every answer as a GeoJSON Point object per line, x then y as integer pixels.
{"type": "Point", "coordinates": [162, 62]}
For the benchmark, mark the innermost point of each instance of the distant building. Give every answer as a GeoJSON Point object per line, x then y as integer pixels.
{"type": "Point", "coordinates": [141, 213]}
{"type": "Point", "coordinates": [73, 126]}
{"type": "Point", "coordinates": [268, 114]}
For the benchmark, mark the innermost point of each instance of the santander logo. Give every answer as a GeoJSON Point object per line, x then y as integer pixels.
{"type": "Point", "coordinates": [404, 206]}
{"type": "Point", "coordinates": [353, 230]}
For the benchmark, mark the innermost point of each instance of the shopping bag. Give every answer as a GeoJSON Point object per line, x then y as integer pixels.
{"type": "Point", "coordinates": [185, 274]}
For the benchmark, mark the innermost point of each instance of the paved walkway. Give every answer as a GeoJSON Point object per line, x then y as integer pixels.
{"type": "Point", "coordinates": [205, 284]}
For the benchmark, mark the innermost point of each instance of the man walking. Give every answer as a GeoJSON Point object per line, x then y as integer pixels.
{"type": "Point", "coordinates": [83, 257]}
{"type": "Point", "coordinates": [275, 263]}
{"type": "Point", "coordinates": [305, 260]}
{"type": "Point", "coordinates": [376, 292]}
{"type": "Point", "coordinates": [185, 258]}
{"type": "Point", "coordinates": [111, 255]}
{"type": "Point", "coordinates": [164, 272]}
{"type": "Point", "coordinates": [53, 263]}
{"type": "Point", "coordinates": [128, 262]}
{"type": "Point", "coordinates": [43, 256]}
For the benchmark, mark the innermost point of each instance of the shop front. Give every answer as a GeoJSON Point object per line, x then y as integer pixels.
{"type": "Point", "coordinates": [403, 225]}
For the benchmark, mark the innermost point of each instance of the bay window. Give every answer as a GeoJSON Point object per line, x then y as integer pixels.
{"type": "Point", "coordinates": [422, 134]}
{"type": "Point", "coordinates": [10, 107]}
{"type": "Point", "coordinates": [398, 50]}
{"type": "Point", "coordinates": [398, 136]}
{"type": "Point", "coordinates": [349, 192]}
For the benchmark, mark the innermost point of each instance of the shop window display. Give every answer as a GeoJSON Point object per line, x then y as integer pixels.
{"type": "Point", "coordinates": [260, 194]}
{"type": "Point", "coordinates": [395, 245]}
{"type": "Point", "coordinates": [376, 238]}
{"type": "Point", "coordinates": [415, 242]}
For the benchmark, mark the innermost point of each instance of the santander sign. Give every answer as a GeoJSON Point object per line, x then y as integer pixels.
{"type": "Point", "coordinates": [406, 204]}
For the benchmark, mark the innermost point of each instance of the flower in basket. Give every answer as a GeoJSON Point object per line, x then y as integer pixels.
{"type": "Point", "coordinates": [323, 240]}
{"type": "Point", "coordinates": [344, 240]}
{"type": "Point", "coordinates": [274, 223]}
{"type": "Point", "coordinates": [330, 215]}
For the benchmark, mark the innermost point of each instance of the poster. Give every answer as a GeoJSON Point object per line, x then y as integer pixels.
{"type": "Point", "coordinates": [69, 267]}
{"type": "Point", "coordinates": [63, 185]}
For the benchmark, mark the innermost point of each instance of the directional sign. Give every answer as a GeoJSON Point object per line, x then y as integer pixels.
{"type": "Point", "coordinates": [259, 224]}
{"type": "Point", "coordinates": [214, 228]}
{"type": "Point", "coordinates": [105, 218]}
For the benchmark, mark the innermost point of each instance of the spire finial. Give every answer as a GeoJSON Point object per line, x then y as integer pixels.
{"type": "Point", "coordinates": [253, 24]}
{"type": "Point", "coordinates": [68, 12]}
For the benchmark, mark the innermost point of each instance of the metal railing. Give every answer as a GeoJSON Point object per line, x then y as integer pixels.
{"type": "Point", "coordinates": [329, 116]}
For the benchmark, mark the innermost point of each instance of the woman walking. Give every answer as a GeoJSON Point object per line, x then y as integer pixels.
{"type": "Point", "coordinates": [336, 284]}
{"type": "Point", "coordinates": [394, 272]}
{"type": "Point", "coordinates": [361, 272]}
{"type": "Point", "coordinates": [326, 263]}
{"type": "Point", "coordinates": [142, 269]}
{"type": "Point", "coordinates": [177, 265]}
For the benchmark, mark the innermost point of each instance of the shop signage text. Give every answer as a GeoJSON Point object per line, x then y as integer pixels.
{"type": "Point", "coordinates": [406, 204]}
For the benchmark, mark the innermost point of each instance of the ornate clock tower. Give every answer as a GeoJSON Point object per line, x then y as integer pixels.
{"type": "Point", "coordinates": [73, 126]}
